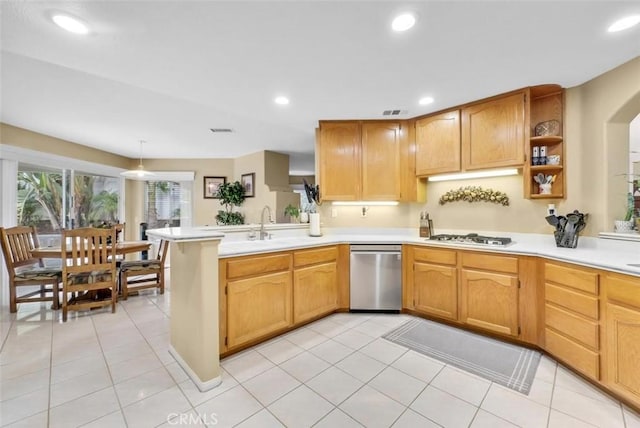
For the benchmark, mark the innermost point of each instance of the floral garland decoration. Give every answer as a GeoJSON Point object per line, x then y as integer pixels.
{"type": "Point", "coordinates": [475, 194]}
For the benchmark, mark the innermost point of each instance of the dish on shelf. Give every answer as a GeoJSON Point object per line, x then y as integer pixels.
{"type": "Point", "coordinates": [547, 128]}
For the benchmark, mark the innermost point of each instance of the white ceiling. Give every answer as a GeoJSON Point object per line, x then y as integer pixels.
{"type": "Point", "coordinates": [166, 72]}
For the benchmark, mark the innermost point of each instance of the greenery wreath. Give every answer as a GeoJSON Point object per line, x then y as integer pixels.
{"type": "Point", "coordinates": [474, 194]}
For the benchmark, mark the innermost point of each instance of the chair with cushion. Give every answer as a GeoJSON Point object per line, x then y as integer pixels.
{"type": "Point", "coordinates": [140, 274]}
{"type": "Point", "coordinates": [90, 271]}
{"type": "Point", "coordinates": [25, 270]}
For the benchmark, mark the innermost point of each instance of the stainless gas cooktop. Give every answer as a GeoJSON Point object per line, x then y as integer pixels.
{"type": "Point", "coordinates": [472, 238]}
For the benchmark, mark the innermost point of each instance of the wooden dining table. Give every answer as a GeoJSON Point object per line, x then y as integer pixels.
{"type": "Point", "coordinates": [122, 248]}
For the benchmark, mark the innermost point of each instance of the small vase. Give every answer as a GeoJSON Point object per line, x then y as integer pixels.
{"type": "Point", "coordinates": [304, 217]}
{"type": "Point", "coordinates": [623, 226]}
{"type": "Point", "coordinates": [314, 227]}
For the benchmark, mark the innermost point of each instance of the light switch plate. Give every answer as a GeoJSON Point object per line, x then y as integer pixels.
{"type": "Point", "coordinates": [334, 212]}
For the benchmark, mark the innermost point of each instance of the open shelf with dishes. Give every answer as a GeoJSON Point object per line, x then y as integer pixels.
{"type": "Point", "coordinates": [544, 176]}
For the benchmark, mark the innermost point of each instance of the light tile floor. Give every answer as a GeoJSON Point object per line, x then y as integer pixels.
{"type": "Point", "coordinates": [113, 370]}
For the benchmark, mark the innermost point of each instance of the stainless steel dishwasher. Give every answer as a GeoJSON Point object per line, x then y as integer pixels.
{"type": "Point", "coordinates": [376, 277]}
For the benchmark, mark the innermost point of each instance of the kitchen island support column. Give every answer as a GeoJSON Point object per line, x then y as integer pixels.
{"type": "Point", "coordinates": [194, 304]}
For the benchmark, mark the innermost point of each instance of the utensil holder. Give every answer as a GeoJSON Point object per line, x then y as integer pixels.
{"type": "Point", "coordinates": [563, 242]}
{"type": "Point", "coordinates": [568, 228]}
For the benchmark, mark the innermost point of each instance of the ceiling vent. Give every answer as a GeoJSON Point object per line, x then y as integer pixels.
{"type": "Point", "coordinates": [216, 130]}
{"type": "Point", "coordinates": [395, 112]}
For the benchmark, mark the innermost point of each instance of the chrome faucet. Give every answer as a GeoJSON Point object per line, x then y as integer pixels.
{"type": "Point", "coordinates": [263, 233]}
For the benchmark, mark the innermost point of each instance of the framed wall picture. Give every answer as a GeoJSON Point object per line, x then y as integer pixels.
{"type": "Point", "coordinates": [248, 181]}
{"type": "Point", "coordinates": [211, 185]}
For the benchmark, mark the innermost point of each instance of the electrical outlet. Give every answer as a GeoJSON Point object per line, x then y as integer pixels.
{"type": "Point", "coordinates": [551, 209]}
{"type": "Point", "coordinates": [334, 212]}
{"type": "Point", "coordinates": [364, 211]}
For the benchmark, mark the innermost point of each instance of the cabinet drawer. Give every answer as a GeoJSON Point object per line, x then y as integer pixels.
{"type": "Point", "coordinates": [316, 255]}
{"type": "Point", "coordinates": [577, 302]}
{"type": "Point", "coordinates": [490, 262]}
{"type": "Point", "coordinates": [577, 356]}
{"type": "Point", "coordinates": [572, 325]}
{"type": "Point", "coordinates": [257, 265]}
{"type": "Point", "coordinates": [572, 277]}
{"type": "Point", "coordinates": [441, 257]}
{"type": "Point", "coordinates": [624, 289]}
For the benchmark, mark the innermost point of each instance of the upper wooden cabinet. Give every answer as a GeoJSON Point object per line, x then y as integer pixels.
{"type": "Point", "coordinates": [361, 160]}
{"type": "Point", "coordinates": [438, 143]}
{"type": "Point", "coordinates": [339, 155]}
{"type": "Point", "coordinates": [380, 161]}
{"type": "Point", "coordinates": [493, 133]}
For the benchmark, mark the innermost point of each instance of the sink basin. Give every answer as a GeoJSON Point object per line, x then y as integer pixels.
{"type": "Point", "coordinates": [634, 265]}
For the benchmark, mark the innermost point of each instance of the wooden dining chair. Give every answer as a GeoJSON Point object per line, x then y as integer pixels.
{"type": "Point", "coordinates": [25, 270]}
{"type": "Point", "coordinates": [140, 274]}
{"type": "Point", "coordinates": [119, 229]}
{"type": "Point", "coordinates": [90, 272]}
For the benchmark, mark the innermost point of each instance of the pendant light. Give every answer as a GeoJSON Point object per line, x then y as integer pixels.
{"type": "Point", "coordinates": [140, 173]}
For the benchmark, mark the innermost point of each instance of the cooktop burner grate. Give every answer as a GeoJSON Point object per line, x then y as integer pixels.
{"type": "Point", "coordinates": [472, 238]}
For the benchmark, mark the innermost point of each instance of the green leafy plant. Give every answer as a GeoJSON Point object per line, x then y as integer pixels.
{"type": "Point", "coordinates": [231, 195]}
{"type": "Point", "coordinates": [292, 212]}
{"type": "Point", "coordinates": [630, 207]}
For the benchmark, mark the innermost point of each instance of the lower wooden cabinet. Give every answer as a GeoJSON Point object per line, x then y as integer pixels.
{"type": "Point", "coordinates": [435, 290]}
{"type": "Point", "coordinates": [315, 291]}
{"type": "Point", "coordinates": [623, 350]}
{"type": "Point", "coordinates": [490, 301]}
{"type": "Point", "coordinates": [257, 307]}
{"type": "Point", "coordinates": [572, 330]}
{"type": "Point", "coordinates": [266, 294]}
{"type": "Point", "coordinates": [622, 325]}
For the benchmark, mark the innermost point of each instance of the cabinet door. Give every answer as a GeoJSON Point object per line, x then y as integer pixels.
{"type": "Point", "coordinates": [315, 291]}
{"type": "Point", "coordinates": [490, 301]}
{"type": "Point", "coordinates": [623, 350]}
{"type": "Point", "coordinates": [381, 161]}
{"type": "Point", "coordinates": [257, 307]}
{"type": "Point", "coordinates": [339, 159]}
{"type": "Point", "coordinates": [493, 133]}
{"type": "Point", "coordinates": [435, 290]}
{"type": "Point", "coordinates": [438, 143]}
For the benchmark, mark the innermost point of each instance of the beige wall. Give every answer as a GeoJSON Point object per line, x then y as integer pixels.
{"type": "Point", "coordinates": [521, 215]}
{"type": "Point", "coordinates": [597, 120]}
{"type": "Point", "coordinates": [26, 139]}
{"type": "Point", "coordinates": [271, 185]}
{"type": "Point", "coordinates": [204, 210]}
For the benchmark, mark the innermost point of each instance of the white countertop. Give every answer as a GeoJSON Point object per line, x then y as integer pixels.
{"type": "Point", "coordinates": [606, 254]}
{"type": "Point", "coordinates": [186, 234]}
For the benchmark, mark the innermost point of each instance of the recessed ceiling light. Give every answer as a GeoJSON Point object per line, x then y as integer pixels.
{"type": "Point", "coordinates": [425, 101]}
{"type": "Point", "coordinates": [283, 101]}
{"type": "Point", "coordinates": [403, 22]}
{"type": "Point", "coordinates": [624, 23]}
{"type": "Point", "coordinates": [71, 24]}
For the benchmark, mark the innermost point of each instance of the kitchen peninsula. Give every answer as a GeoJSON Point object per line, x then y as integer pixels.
{"type": "Point", "coordinates": [580, 305]}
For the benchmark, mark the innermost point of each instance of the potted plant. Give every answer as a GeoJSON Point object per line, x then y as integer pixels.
{"type": "Point", "coordinates": [292, 212]}
{"type": "Point", "coordinates": [230, 195]}
{"type": "Point", "coordinates": [627, 224]}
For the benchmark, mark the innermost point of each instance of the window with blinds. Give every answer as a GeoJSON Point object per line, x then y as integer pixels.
{"type": "Point", "coordinates": [163, 200]}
